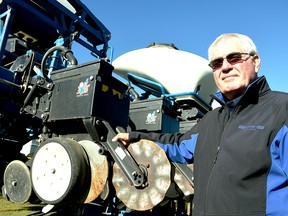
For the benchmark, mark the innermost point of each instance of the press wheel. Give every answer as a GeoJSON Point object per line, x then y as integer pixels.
{"type": "Point", "coordinates": [153, 159]}
{"type": "Point", "coordinates": [17, 182]}
{"type": "Point", "coordinates": [98, 167]}
{"type": "Point", "coordinates": [59, 171]}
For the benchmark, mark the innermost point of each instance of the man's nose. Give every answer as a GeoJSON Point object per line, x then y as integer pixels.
{"type": "Point", "coordinates": [226, 64]}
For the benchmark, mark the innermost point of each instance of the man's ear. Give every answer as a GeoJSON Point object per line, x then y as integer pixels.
{"type": "Point", "coordinates": [257, 62]}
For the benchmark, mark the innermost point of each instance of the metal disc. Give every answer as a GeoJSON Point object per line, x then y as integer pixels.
{"type": "Point", "coordinates": [99, 169]}
{"type": "Point", "coordinates": [183, 183]}
{"type": "Point", "coordinates": [150, 155]}
{"type": "Point", "coordinates": [17, 182]}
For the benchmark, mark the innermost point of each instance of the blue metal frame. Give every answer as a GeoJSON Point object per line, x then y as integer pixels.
{"type": "Point", "coordinates": [158, 90]}
{"type": "Point", "coordinates": [83, 24]}
{"type": "Point", "coordinates": [145, 84]}
{"type": "Point", "coordinates": [4, 26]}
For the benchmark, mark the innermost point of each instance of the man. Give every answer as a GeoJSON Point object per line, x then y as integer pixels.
{"type": "Point", "coordinates": [239, 150]}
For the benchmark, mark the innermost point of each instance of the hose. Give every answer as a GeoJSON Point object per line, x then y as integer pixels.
{"type": "Point", "coordinates": [65, 52]}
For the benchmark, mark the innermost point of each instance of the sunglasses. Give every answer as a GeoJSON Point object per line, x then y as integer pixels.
{"type": "Point", "coordinates": [232, 58]}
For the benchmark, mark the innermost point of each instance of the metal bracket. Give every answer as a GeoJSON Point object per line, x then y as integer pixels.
{"type": "Point", "coordinates": [186, 172]}
{"type": "Point", "coordinates": [118, 151]}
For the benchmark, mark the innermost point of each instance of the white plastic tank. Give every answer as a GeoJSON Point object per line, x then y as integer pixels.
{"type": "Point", "coordinates": [177, 71]}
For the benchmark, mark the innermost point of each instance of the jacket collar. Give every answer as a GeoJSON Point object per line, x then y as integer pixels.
{"type": "Point", "coordinates": [257, 88]}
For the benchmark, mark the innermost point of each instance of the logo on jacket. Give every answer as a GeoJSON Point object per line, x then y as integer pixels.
{"type": "Point", "coordinates": [251, 127]}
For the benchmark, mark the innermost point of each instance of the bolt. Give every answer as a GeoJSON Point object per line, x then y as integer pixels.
{"type": "Point", "coordinates": [14, 183]}
{"type": "Point", "coordinates": [135, 175]}
{"type": "Point", "coordinates": [43, 116]}
{"type": "Point", "coordinates": [53, 171]}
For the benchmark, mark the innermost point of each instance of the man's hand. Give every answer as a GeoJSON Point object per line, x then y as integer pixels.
{"type": "Point", "coordinates": [122, 137]}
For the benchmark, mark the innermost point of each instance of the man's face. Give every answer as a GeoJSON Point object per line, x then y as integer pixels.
{"type": "Point", "coordinates": [233, 79]}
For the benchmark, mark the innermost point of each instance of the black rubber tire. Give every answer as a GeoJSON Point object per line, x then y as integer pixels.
{"type": "Point", "coordinates": [76, 165]}
{"type": "Point", "coordinates": [17, 182]}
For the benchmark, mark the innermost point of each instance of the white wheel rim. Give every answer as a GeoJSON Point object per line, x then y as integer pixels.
{"type": "Point", "coordinates": [51, 171]}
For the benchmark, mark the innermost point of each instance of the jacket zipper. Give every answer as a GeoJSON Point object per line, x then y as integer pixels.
{"type": "Point", "coordinates": [209, 180]}
{"type": "Point", "coordinates": [234, 112]}
{"type": "Point", "coordinates": [216, 155]}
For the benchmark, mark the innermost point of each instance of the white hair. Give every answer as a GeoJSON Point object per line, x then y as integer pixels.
{"type": "Point", "coordinates": [247, 43]}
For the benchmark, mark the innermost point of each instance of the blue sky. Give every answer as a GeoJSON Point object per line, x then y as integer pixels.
{"type": "Point", "coordinates": [192, 25]}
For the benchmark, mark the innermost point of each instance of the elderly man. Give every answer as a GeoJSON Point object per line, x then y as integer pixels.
{"type": "Point", "coordinates": [239, 150]}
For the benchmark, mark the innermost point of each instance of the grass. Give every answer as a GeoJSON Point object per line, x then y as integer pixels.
{"type": "Point", "coordinates": [12, 209]}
